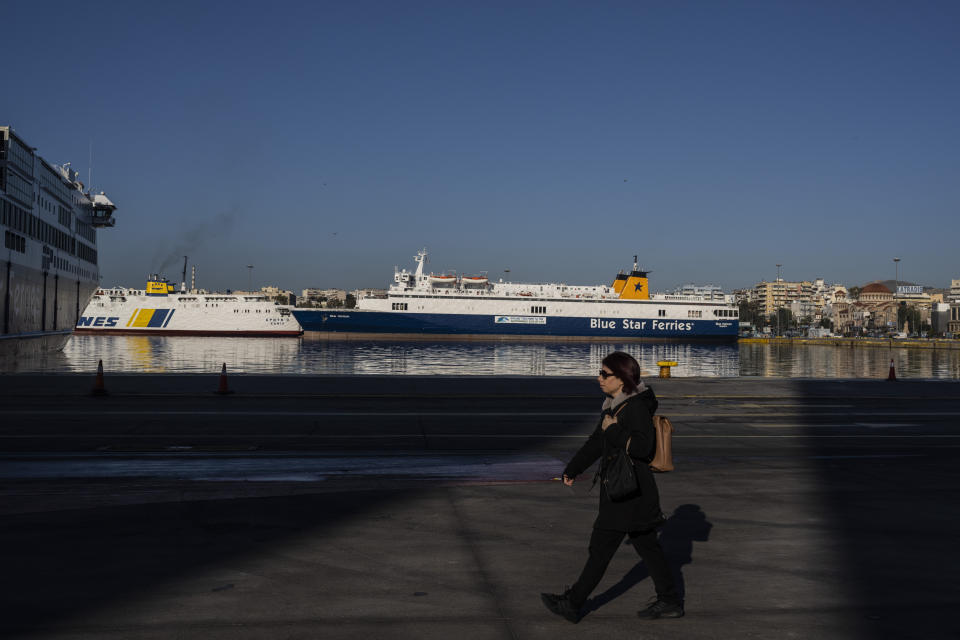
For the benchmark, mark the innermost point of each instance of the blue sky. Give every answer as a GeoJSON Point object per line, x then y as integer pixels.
{"type": "Point", "coordinates": [326, 142]}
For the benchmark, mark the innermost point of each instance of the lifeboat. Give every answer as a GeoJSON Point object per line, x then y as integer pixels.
{"type": "Point", "coordinates": [474, 280]}
{"type": "Point", "coordinates": [443, 279]}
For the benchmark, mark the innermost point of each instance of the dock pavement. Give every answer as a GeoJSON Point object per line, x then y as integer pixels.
{"type": "Point", "coordinates": [427, 507]}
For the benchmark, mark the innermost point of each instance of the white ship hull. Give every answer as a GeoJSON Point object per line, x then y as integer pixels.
{"type": "Point", "coordinates": [131, 312]}
{"type": "Point", "coordinates": [50, 268]}
{"type": "Point", "coordinates": [418, 305]}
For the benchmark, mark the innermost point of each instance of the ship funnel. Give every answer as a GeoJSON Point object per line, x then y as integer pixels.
{"type": "Point", "coordinates": [635, 286]}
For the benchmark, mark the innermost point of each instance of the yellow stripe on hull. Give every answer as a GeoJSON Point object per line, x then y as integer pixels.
{"type": "Point", "coordinates": [143, 318]}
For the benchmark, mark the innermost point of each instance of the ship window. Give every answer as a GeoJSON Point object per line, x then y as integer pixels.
{"type": "Point", "coordinates": [662, 313]}
{"type": "Point", "coordinates": [15, 242]}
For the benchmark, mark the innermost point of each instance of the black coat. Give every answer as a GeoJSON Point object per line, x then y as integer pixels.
{"type": "Point", "coordinates": [634, 422]}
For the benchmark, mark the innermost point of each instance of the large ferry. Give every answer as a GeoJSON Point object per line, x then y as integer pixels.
{"type": "Point", "coordinates": [419, 304]}
{"type": "Point", "coordinates": [50, 224]}
{"type": "Point", "coordinates": [161, 310]}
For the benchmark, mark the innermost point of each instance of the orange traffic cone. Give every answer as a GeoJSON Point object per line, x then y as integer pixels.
{"type": "Point", "coordinates": [223, 390]}
{"type": "Point", "coordinates": [892, 376]}
{"type": "Point", "coordinates": [98, 388]}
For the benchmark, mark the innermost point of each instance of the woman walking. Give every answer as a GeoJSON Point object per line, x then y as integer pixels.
{"type": "Point", "coordinates": [626, 423]}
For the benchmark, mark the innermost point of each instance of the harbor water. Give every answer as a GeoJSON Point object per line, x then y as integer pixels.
{"type": "Point", "coordinates": [159, 354]}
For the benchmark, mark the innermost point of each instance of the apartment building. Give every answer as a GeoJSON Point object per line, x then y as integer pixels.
{"type": "Point", "coordinates": [316, 295]}
{"type": "Point", "coordinates": [777, 294]}
{"type": "Point", "coordinates": [953, 326]}
{"type": "Point", "coordinates": [280, 295]}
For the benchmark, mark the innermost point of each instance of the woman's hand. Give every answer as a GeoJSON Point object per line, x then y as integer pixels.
{"type": "Point", "coordinates": [567, 480]}
{"type": "Point", "coordinates": [607, 421]}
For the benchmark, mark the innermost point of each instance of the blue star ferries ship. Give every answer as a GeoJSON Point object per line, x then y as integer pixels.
{"type": "Point", "coordinates": [420, 305]}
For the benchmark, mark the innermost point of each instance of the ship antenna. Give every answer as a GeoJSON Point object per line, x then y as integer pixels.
{"type": "Point", "coordinates": [90, 168]}
{"type": "Point", "coordinates": [183, 283]}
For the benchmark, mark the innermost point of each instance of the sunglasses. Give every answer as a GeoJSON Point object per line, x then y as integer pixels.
{"type": "Point", "coordinates": [605, 374]}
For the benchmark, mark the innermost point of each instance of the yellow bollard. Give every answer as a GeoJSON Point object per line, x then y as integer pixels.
{"type": "Point", "coordinates": [665, 367]}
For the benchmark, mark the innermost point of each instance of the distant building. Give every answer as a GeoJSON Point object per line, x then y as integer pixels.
{"type": "Point", "coordinates": [953, 325]}
{"type": "Point", "coordinates": [323, 297]}
{"type": "Point", "coordinates": [739, 295]}
{"type": "Point", "coordinates": [954, 297]}
{"type": "Point", "coordinates": [774, 295]}
{"type": "Point", "coordinates": [912, 294]}
{"type": "Point", "coordinates": [804, 309]}
{"type": "Point", "coordinates": [877, 305]}
{"type": "Point", "coordinates": [279, 295]}
{"type": "Point", "coordinates": [940, 318]}
{"type": "Point", "coordinates": [875, 293]}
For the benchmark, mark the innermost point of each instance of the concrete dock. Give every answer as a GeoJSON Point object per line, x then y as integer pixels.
{"type": "Point", "coordinates": [426, 507]}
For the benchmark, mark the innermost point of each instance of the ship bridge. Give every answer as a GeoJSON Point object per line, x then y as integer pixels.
{"type": "Point", "coordinates": [102, 209]}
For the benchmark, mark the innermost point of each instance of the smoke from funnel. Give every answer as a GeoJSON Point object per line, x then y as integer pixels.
{"type": "Point", "coordinates": [194, 237]}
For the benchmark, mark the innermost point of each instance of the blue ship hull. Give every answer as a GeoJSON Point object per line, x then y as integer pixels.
{"type": "Point", "coordinates": [439, 324]}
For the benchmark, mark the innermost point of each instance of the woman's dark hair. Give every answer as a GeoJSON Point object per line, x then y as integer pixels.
{"type": "Point", "coordinates": [624, 367]}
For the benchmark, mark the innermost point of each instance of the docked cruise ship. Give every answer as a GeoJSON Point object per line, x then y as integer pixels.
{"type": "Point", "coordinates": [161, 310]}
{"type": "Point", "coordinates": [50, 227]}
{"type": "Point", "coordinates": [418, 304]}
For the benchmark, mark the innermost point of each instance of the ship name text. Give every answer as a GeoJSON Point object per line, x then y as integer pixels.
{"type": "Point", "coordinates": [97, 321]}
{"type": "Point", "coordinates": [638, 325]}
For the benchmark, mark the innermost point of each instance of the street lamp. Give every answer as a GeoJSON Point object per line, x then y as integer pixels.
{"type": "Point", "coordinates": [776, 299]}
{"type": "Point", "coordinates": [250, 279]}
{"type": "Point", "coordinates": [896, 306]}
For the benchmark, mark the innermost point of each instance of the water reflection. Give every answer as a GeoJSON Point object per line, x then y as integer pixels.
{"type": "Point", "coordinates": [162, 354]}
{"type": "Point", "coordinates": [824, 361]}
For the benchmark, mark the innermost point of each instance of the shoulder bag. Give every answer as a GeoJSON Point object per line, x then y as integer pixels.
{"type": "Point", "coordinates": [619, 476]}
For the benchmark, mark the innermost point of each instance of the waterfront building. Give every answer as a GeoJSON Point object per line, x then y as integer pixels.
{"type": "Point", "coordinates": [279, 295]}
{"type": "Point", "coordinates": [913, 295]}
{"type": "Point", "coordinates": [955, 292]}
{"type": "Point", "coordinates": [939, 318]}
{"type": "Point", "coordinates": [824, 295]}
{"type": "Point", "coordinates": [323, 295]}
{"type": "Point", "coordinates": [953, 326]}
{"type": "Point", "coordinates": [773, 295]}
{"type": "Point", "coordinates": [879, 308]}
{"type": "Point", "coordinates": [804, 309]}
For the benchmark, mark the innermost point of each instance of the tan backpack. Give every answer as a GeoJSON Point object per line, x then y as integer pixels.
{"type": "Point", "coordinates": [663, 454]}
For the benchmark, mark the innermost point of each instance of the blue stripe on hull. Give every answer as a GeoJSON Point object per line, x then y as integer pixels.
{"type": "Point", "coordinates": [442, 324]}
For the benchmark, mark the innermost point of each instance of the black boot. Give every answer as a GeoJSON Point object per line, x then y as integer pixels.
{"type": "Point", "coordinates": [662, 609]}
{"type": "Point", "coordinates": [562, 606]}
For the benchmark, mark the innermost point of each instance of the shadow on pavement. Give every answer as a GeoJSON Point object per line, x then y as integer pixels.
{"type": "Point", "coordinates": [62, 563]}
{"type": "Point", "coordinates": [687, 525]}
{"type": "Point", "coordinates": [891, 493]}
